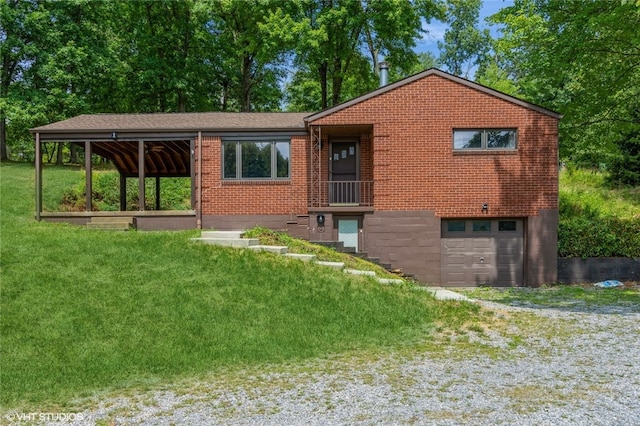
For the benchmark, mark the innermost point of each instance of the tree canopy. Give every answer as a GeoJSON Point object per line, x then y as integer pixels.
{"type": "Point", "coordinates": [581, 59]}
{"type": "Point", "coordinates": [60, 59]}
{"type": "Point", "coordinates": [64, 58]}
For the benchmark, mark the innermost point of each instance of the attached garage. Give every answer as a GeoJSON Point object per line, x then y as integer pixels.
{"type": "Point", "coordinates": [482, 252]}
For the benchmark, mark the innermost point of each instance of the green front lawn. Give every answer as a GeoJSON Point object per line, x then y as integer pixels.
{"type": "Point", "coordinates": [84, 311]}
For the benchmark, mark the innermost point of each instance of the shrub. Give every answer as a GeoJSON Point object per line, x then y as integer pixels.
{"type": "Point", "coordinates": [175, 193]}
{"type": "Point", "coordinates": [582, 236]}
{"type": "Point", "coordinates": [625, 167]}
{"type": "Point", "coordinates": [596, 220]}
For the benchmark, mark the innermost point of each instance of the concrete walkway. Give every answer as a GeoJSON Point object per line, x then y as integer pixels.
{"type": "Point", "coordinates": [441, 293]}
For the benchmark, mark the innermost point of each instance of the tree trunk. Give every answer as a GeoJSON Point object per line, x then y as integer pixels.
{"type": "Point", "coordinates": [336, 83]}
{"type": "Point", "coordinates": [3, 137]}
{"type": "Point", "coordinates": [59, 156]}
{"type": "Point", "coordinates": [323, 84]}
{"type": "Point", "coordinates": [73, 154]}
{"type": "Point", "coordinates": [247, 61]}
{"type": "Point", "coordinates": [182, 101]}
{"type": "Point", "coordinates": [225, 96]}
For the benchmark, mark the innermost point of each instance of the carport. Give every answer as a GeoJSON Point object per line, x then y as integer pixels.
{"type": "Point", "coordinates": [139, 146]}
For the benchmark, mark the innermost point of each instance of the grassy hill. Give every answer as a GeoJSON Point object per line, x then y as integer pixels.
{"type": "Point", "coordinates": [595, 220]}
{"type": "Point", "coordinates": [84, 311]}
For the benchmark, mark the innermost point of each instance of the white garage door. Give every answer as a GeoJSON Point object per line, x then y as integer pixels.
{"type": "Point", "coordinates": [482, 252]}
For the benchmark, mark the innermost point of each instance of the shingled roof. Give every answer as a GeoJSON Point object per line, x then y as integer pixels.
{"type": "Point", "coordinates": [167, 136]}
{"type": "Point", "coordinates": [171, 122]}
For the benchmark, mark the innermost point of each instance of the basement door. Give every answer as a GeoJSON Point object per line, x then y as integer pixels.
{"type": "Point", "coordinates": [348, 232]}
{"type": "Point", "coordinates": [482, 252]}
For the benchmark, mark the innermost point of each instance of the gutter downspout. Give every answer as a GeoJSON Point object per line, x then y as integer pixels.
{"type": "Point", "coordinates": [199, 192]}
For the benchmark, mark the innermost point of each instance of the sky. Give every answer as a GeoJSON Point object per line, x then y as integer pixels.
{"type": "Point", "coordinates": [436, 29]}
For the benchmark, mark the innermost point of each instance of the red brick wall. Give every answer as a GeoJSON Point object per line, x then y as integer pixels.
{"type": "Point", "coordinates": [414, 165]}
{"type": "Point", "coordinates": [254, 197]}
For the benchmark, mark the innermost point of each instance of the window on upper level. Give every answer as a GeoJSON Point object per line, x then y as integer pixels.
{"type": "Point", "coordinates": [484, 139]}
{"type": "Point", "coordinates": [255, 159]}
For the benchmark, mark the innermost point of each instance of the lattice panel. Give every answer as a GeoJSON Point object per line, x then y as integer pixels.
{"type": "Point", "coordinates": [316, 166]}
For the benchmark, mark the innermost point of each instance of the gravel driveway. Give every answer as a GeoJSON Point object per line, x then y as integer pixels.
{"type": "Point", "coordinates": [582, 368]}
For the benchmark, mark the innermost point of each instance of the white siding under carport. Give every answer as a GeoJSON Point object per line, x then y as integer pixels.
{"type": "Point", "coordinates": [478, 252]}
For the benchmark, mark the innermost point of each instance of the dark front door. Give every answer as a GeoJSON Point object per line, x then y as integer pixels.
{"type": "Point", "coordinates": [344, 185]}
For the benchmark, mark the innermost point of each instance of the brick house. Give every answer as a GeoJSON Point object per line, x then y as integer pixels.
{"type": "Point", "coordinates": [446, 179]}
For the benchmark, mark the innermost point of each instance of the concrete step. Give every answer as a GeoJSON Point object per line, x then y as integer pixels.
{"type": "Point", "coordinates": [303, 257]}
{"type": "Point", "coordinates": [390, 281]}
{"type": "Point", "coordinates": [112, 226]}
{"type": "Point", "coordinates": [112, 219]}
{"type": "Point", "coordinates": [337, 245]}
{"type": "Point", "coordinates": [360, 272]}
{"type": "Point", "coordinates": [222, 234]}
{"type": "Point", "coordinates": [443, 294]}
{"type": "Point", "coordinates": [336, 265]}
{"type": "Point", "coordinates": [271, 249]}
{"type": "Point", "coordinates": [229, 242]}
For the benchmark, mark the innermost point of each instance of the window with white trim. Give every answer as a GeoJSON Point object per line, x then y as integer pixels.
{"type": "Point", "coordinates": [484, 139]}
{"type": "Point", "coordinates": [256, 159]}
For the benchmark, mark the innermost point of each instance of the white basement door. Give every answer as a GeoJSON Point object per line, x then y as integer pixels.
{"type": "Point", "coordinates": [348, 232]}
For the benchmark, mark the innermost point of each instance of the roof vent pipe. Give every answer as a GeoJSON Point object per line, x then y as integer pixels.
{"type": "Point", "coordinates": [384, 73]}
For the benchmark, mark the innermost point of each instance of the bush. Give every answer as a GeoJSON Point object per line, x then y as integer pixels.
{"type": "Point", "coordinates": [175, 194]}
{"type": "Point", "coordinates": [625, 167]}
{"type": "Point", "coordinates": [596, 220]}
{"type": "Point", "coordinates": [583, 236]}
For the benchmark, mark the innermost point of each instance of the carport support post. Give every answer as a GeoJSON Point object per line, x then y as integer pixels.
{"type": "Point", "coordinates": [141, 196]}
{"type": "Point", "coordinates": [192, 168]}
{"type": "Point", "coordinates": [38, 177]}
{"type": "Point", "coordinates": [87, 171]}
{"type": "Point", "coordinates": [157, 192]}
{"type": "Point", "coordinates": [123, 193]}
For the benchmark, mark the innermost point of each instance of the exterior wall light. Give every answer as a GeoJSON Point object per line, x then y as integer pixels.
{"type": "Point", "coordinates": [485, 207]}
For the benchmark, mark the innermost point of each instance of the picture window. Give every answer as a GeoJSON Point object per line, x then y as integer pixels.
{"type": "Point", "coordinates": [255, 159]}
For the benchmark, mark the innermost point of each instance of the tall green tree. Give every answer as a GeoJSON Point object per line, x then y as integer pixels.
{"type": "Point", "coordinates": [64, 58]}
{"type": "Point", "coordinates": [465, 46]}
{"type": "Point", "coordinates": [254, 39]}
{"type": "Point", "coordinates": [16, 40]}
{"type": "Point", "coordinates": [342, 41]}
{"type": "Point", "coordinates": [490, 74]}
{"type": "Point", "coordinates": [625, 164]}
{"type": "Point", "coordinates": [166, 54]}
{"type": "Point", "coordinates": [57, 64]}
{"type": "Point", "coordinates": [579, 58]}
{"type": "Point", "coordinates": [71, 70]}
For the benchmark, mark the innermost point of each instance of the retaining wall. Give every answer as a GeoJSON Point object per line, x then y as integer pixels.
{"type": "Point", "coordinates": [595, 269]}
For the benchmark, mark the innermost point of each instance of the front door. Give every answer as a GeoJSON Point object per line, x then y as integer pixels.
{"type": "Point", "coordinates": [344, 188]}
